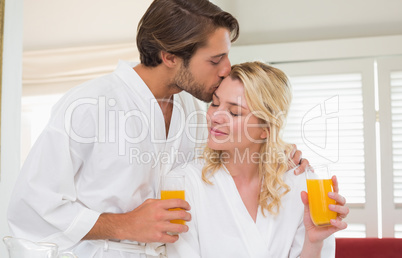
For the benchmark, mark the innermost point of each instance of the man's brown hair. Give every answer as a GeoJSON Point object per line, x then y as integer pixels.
{"type": "Point", "coordinates": [180, 27]}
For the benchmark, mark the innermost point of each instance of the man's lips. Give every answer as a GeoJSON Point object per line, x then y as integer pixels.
{"type": "Point", "coordinates": [216, 132]}
{"type": "Point", "coordinates": [218, 84]}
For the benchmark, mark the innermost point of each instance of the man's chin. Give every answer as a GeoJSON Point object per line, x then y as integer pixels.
{"type": "Point", "coordinates": [206, 99]}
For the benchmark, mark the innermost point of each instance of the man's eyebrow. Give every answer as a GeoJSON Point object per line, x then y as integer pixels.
{"type": "Point", "coordinates": [219, 55]}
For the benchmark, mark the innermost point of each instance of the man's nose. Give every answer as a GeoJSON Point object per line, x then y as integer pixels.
{"type": "Point", "coordinates": [225, 69]}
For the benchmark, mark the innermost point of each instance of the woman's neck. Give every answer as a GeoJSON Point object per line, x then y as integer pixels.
{"type": "Point", "coordinates": [246, 178]}
{"type": "Point", "coordinates": [241, 165]}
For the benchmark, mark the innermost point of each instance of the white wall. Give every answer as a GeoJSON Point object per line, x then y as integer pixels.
{"type": "Point", "coordinates": [77, 23]}
{"type": "Point", "coordinates": [319, 50]}
{"type": "Point", "coordinates": [270, 21]}
{"type": "Point", "coordinates": [10, 109]}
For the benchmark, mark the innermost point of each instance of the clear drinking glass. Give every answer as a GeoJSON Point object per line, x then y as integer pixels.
{"type": "Point", "coordinates": [23, 248]}
{"type": "Point", "coordinates": [173, 188]}
{"type": "Point", "coordinates": [319, 184]}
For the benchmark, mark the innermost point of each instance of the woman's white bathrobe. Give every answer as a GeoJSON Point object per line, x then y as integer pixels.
{"type": "Point", "coordinates": [222, 227]}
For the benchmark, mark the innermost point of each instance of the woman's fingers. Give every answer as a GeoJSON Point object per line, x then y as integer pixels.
{"type": "Point", "coordinates": [304, 197]}
{"type": "Point", "coordinates": [335, 184]}
{"type": "Point", "coordinates": [340, 200]}
{"type": "Point", "coordinates": [342, 211]}
{"type": "Point", "coordinates": [339, 224]}
{"type": "Point", "coordinates": [340, 207]}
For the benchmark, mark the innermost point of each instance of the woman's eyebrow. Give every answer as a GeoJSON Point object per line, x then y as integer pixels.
{"type": "Point", "coordinates": [231, 103]}
{"type": "Point", "coordinates": [235, 104]}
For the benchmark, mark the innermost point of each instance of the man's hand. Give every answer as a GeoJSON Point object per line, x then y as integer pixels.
{"type": "Point", "coordinates": [149, 222]}
{"type": "Point", "coordinates": [297, 159]}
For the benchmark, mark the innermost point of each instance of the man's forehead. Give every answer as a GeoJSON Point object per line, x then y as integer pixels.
{"type": "Point", "coordinates": [218, 43]}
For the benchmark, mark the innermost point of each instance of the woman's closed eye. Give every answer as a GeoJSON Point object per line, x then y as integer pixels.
{"type": "Point", "coordinates": [234, 114]}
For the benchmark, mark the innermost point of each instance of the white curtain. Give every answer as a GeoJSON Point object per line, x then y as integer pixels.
{"type": "Point", "coordinates": [57, 70]}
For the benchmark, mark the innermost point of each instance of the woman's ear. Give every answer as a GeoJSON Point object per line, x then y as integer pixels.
{"type": "Point", "coordinates": [170, 60]}
{"type": "Point", "coordinates": [265, 133]}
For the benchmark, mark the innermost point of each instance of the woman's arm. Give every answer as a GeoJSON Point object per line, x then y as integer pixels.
{"type": "Point", "coordinates": [315, 236]}
{"type": "Point", "coordinates": [311, 250]}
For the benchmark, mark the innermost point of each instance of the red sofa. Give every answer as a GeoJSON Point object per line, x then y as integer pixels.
{"type": "Point", "coordinates": [368, 248]}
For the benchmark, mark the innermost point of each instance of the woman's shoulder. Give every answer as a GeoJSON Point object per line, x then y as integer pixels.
{"type": "Point", "coordinates": [295, 182]}
{"type": "Point", "coordinates": [192, 170]}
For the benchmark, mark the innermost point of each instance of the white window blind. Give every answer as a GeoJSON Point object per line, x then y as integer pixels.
{"type": "Point", "coordinates": [396, 109]}
{"type": "Point", "coordinates": [398, 230]}
{"type": "Point", "coordinates": [326, 123]}
{"type": "Point", "coordinates": [332, 120]}
{"type": "Point", "coordinates": [353, 230]}
{"type": "Point", "coordinates": [390, 117]}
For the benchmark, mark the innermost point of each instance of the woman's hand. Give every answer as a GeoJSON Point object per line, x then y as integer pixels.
{"type": "Point", "coordinates": [318, 234]}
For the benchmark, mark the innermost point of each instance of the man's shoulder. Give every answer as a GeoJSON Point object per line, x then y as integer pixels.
{"type": "Point", "coordinates": [85, 101]}
{"type": "Point", "coordinates": [108, 84]}
{"type": "Point", "coordinates": [99, 86]}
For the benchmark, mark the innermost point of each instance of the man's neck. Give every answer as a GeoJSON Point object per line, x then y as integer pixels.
{"type": "Point", "coordinates": [158, 79]}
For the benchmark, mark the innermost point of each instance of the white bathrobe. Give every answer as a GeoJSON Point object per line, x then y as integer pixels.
{"type": "Point", "coordinates": [222, 227]}
{"type": "Point", "coordinates": [103, 150]}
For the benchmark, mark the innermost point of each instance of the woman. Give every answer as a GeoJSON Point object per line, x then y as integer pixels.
{"type": "Point", "coordinates": [243, 203]}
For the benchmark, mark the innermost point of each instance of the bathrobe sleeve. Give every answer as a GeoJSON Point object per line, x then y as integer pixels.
{"type": "Point", "coordinates": [328, 249]}
{"type": "Point", "coordinates": [43, 205]}
{"type": "Point", "coordinates": [298, 241]}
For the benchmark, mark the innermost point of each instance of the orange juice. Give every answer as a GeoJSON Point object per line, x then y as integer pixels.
{"type": "Point", "coordinates": [174, 194]}
{"type": "Point", "coordinates": [318, 201]}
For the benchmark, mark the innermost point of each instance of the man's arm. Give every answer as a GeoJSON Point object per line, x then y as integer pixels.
{"type": "Point", "coordinates": [149, 222]}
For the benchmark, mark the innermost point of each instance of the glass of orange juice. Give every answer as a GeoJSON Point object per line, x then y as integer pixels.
{"type": "Point", "coordinates": [319, 184]}
{"type": "Point", "coordinates": [173, 188]}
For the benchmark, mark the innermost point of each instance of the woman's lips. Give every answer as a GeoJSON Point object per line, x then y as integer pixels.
{"type": "Point", "coordinates": [216, 132]}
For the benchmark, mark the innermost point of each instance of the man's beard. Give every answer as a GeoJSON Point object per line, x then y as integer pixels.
{"type": "Point", "coordinates": [184, 80]}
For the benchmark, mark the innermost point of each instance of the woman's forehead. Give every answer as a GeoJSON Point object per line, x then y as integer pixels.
{"type": "Point", "coordinates": [231, 91]}
{"type": "Point", "coordinates": [230, 88]}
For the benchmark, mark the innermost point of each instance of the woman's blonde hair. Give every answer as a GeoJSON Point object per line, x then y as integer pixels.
{"type": "Point", "coordinates": [268, 95]}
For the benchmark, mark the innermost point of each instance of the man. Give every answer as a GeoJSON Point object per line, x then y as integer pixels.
{"type": "Point", "coordinates": [91, 181]}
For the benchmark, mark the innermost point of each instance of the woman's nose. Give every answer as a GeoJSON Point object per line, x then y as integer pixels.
{"type": "Point", "coordinates": [219, 117]}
